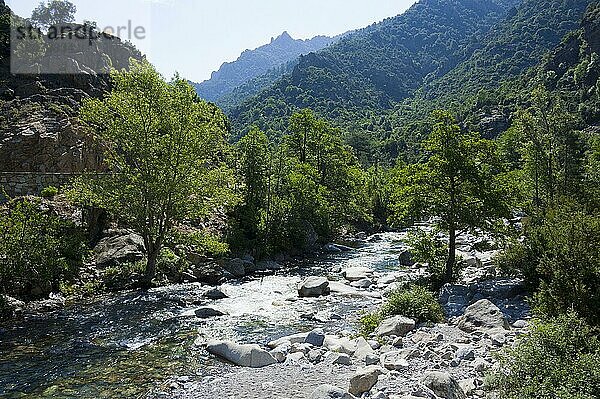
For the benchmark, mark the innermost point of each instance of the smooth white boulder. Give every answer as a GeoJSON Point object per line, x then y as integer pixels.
{"type": "Point", "coordinates": [241, 355]}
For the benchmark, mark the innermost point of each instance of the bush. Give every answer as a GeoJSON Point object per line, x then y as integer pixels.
{"type": "Point", "coordinates": [416, 303]}
{"type": "Point", "coordinates": [368, 323]}
{"type": "Point", "coordinates": [38, 250]}
{"type": "Point", "coordinates": [560, 259]}
{"type": "Point", "coordinates": [49, 192]}
{"type": "Point", "coordinates": [558, 359]}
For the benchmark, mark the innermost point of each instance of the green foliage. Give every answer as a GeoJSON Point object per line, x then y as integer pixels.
{"type": "Point", "coordinates": [355, 79]}
{"type": "Point", "coordinates": [459, 183]}
{"type": "Point", "coordinates": [37, 249]}
{"type": "Point", "coordinates": [428, 249]}
{"type": "Point", "coordinates": [415, 302]}
{"type": "Point", "coordinates": [557, 359]}
{"type": "Point", "coordinates": [560, 257]}
{"type": "Point", "coordinates": [49, 192]}
{"type": "Point", "coordinates": [199, 241]}
{"type": "Point", "coordinates": [53, 12]}
{"type": "Point", "coordinates": [305, 189]}
{"type": "Point", "coordinates": [549, 149]}
{"type": "Point", "coordinates": [166, 152]}
{"type": "Point", "coordinates": [368, 323]}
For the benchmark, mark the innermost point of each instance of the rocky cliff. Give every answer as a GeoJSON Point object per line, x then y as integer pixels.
{"type": "Point", "coordinates": [39, 129]}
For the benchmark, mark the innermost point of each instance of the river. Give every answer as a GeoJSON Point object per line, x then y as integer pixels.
{"type": "Point", "coordinates": [130, 344]}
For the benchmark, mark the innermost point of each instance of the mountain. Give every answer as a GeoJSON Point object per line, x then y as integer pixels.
{"type": "Point", "coordinates": [254, 63]}
{"type": "Point", "coordinates": [477, 88]}
{"type": "Point", "coordinates": [374, 68]}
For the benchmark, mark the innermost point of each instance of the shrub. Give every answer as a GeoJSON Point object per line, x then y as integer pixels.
{"type": "Point", "coordinates": [415, 302]}
{"type": "Point", "coordinates": [368, 323]}
{"type": "Point", "coordinates": [49, 192]}
{"type": "Point", "coordinates": [560, 259]}
{"type": "Point", "coordinates": [558, 359]}
{"type": "Point", "coordinates": [37, 249]}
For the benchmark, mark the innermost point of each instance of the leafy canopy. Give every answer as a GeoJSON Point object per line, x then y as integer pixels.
{"type": "Point", "coordinates": [165, 150]}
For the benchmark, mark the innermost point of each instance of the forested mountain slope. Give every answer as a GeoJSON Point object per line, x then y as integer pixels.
{"type": "Point", "coordinates": [376, 67]}
{"type": "Point", "coordinates": [254, 63]}
{"type": "Point", "coordinates": [478, 89]}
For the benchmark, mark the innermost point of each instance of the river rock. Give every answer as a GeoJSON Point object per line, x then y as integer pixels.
{"type": "Point", "coordinates": [406, 258]}
{"type": "Point", "coordinates": [207, 313]}
{"type": "Point", "coordinates": [357, 273]}
{"type": "Point", "coordinates": [364, 379]}
{"type": "Point", "coordinates": [394, 361]}
{"type": "Point", "coordinates": [241, 355]}
{"type": "Point", "coordinates": [343, 359]}
{"type": "Point", "coordinates": [340, 345]}
{"type": "Point", "coordinates": [315, 337]}
{"type": "Point", "coordinates": [237, 267]}
{"type": "Point", "coordinates": [482, 315]}
{"type": "Point", "coordinates": [363, 349]}
{"type": "Point", "coordinates": [330, 392]}
{"type": "Point", "coordinates": [364, 283]}
{"type": "Point", "coordinates": [443, 385]}
{"type": "Point", "coordinates": [314, 287]}
{"type": "Point", "coordinates": [290, 339]}
{"type": "Point", "coordinates": [215, 294]}
{"type": "Point", "coordinates": [398, 325]}
{"type": "Point", "coordinates": [267, 265]}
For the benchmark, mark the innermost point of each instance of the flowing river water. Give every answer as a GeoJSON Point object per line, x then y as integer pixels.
{"type": "Point", "coordinates": [129, 345]}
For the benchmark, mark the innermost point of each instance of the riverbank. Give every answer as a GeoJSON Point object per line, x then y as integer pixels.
{"type": "Point", "coordinates": [153, 344]}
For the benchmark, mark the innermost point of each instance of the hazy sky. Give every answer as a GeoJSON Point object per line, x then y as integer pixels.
{"type": "Point", "coordinates": [194, 37]}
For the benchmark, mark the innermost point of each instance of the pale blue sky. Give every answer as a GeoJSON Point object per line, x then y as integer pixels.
{"type": "Point", "coordinates": [194, 37]}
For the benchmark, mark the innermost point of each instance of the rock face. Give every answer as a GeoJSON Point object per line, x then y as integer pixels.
{"type": "Point", "coordinates": [443, 385]}
{"type": "Point", "coordinates": [398, 325]}
{"type": "Point", "coordinates": [364, 380]}
{"type": "Point", "coordinates": [314, 287]}
{"type": "Point", "coordinates": [483, 315]}
{"type": "Point", "coordinates": [330, 392]}
{"type": "Point", "coordinates": [119, 249]}
{"type": "Point", "coordinates": [241, 355]}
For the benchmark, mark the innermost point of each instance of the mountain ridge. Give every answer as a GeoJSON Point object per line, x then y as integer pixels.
{"type": "Point", "coordinates": [256, 62]}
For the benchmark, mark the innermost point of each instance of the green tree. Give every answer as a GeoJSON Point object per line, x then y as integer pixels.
{"type": "Point", "coordinates": [53, 12]}
{"type": "Point", "coordinates": [458, 184]}
{"type": "Point", "coordinates": [165, 150]}
{"type": "Point", "coordinates": [551, 149]}
{"type": "Point", "coordinates": [255, 170]}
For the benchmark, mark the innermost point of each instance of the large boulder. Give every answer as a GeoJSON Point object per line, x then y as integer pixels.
{"type": "Point", "coordinates": [314, 287]}
{"type": "Point", "coordinates": [119, 249]}
{"type": "Point", "coordinates": [241, 355]}
{"type": "Point", "coordinates": [443, 385]}
{"type": "Point", "coordinates": [406, 258]}
{"type": "Point", "coordinates": [315, 337]}
{"type": "Point", "coordinates": [364, 379]}
{"type": "Point", "coordinates": [398, 325]}
{"type": "Point", "coordinates": [357, 273]}
{"type": "Point", "coordinates": [483, 315]}
{"type": "Point", "coordinates": [237, 267]}
{"type": "Point", "coordinates": [330, 392]}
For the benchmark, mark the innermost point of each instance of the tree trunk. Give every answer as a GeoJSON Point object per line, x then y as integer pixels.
{"type": "Point", "coordinates": [451, 256]}
{"type": "Point", "coordinates": [150, 272]}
